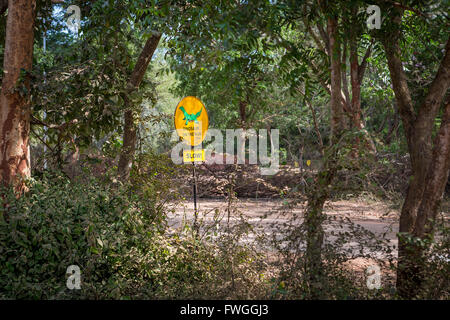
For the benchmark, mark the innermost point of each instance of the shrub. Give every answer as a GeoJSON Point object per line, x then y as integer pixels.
{"type": "Point", "coordinates": [111, 233]}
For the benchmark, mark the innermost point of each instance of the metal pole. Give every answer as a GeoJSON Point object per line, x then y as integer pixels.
{"type": "Point", "coordinates": [195, 194]}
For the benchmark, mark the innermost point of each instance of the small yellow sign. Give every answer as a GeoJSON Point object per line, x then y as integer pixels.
{"type": "Point", "coordinates": [191, 120]}
{"type": "Point", "coordinates": [193, 155]}
{"type": "Point", "coordinates": [308, 162]}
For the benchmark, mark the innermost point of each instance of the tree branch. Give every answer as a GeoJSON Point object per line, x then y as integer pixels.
{"type": "Point", "coordinates": [344, 72]}
{"type": "Point", "coordinates": [398, 78]}
{"type": "Point", "coordinates": [362, 67]}
{"type": "Point", "coordinates": [36, 121]}
{"type": "Point", "coordinates": [316, 126]}
{"type": "Point", "coordinates": [143, 61]}
{"type": "Point", "coordinates": [325, 38]}
{"type": "Point", "coordinates": [315, 38]}
{"type": "Point", "coordinates": [40, 139]}
{"type": "Point", "coordinates": [438, 88]}
{"type": "Point", "coordinates": [404, 7]}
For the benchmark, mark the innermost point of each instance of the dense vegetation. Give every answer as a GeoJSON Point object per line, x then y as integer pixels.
{"type": "Point", "coordinates": [86, 125]}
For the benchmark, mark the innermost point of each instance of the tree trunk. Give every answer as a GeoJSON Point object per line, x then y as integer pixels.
{"type": "Point", "coordinates": [393, 127]}
{"type": "Point", "coordinates": [337, 119]}
{"type": "Point", "coordinates": [356, 77]}
{"type": "Point", "coordinates": [413, 267]}
{"type": "Point", "coordinates": [314, 216]}
{"type": "Point", "coordinates": [437, 177]}
{"type": "Point", "coordinates": [129, 131]}
{"type": "Point", "coordinates": [243, 113]}
{"type": "Point", "coordinates": [243, 119]}
{"type": "Point", "coordinates": [14, 96]}
{"type": "Point", "coordinates": [430, 165]}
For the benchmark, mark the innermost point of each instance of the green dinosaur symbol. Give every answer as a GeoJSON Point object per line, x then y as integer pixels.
{"type": "Point", "coordinates": [190, 117]}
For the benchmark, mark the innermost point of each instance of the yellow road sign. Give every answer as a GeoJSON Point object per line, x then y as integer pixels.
{"type": "Point", "coordinates": [193, 155]}
{"type": "Point", "coordinates": [191, 120]}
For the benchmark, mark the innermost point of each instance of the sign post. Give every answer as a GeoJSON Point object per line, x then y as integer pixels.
{"type": "Point", "coordinates": [191, 123]}
{"type": "Point", "coordinates": [195, 195]}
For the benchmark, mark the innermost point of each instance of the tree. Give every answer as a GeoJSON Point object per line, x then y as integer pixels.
{"type": "Point", "coordinates": [430, 158]}
{"type": "Point", "coordinates": [317, 196]}
{"type": "Point", "coordinates": [14, 96]}
{"type": "Point", "coordinates": [335, 32]}
{"type": "Point", "coordinates": [97, 76]}
{"type": "Point", "coordinates": [130, 127]}
{"type": "Point", "coordinates": [351, 28]}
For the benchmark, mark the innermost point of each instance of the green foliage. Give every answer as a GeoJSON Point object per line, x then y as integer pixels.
{"type": "Point", "coordinates": [437, 257]}
{"type": "Point", "coordinates": [345, 244]}
{"type": "Point", "coordinates": [111, 233]}
{"type": "Point", "coordinates": [255, 64]}
{"type": "Point", "coordinates": [58, 224]}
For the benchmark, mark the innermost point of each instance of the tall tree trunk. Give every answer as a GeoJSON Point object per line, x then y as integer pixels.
{"type": "Point", "coordinates": [314, 215]}
{"type": "Point", "coordinates": [130, 128]}
{"type": "Point", "coordinates": [14, 96]}
{"type": "Point", "coordinates": [437, 177]}
{"type": "Point", "coordinates": [337, 119]}
{"type": "Point", "coordinates": [430, 164]}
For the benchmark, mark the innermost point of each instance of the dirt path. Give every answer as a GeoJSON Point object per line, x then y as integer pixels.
{"type": "Point", "coordinates": [268, 215]}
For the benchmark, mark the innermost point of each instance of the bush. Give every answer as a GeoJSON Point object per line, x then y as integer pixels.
{"type": "Point", "coordinates": [111, 233]}
{"type": "Point", "coordinates": [57, 224]}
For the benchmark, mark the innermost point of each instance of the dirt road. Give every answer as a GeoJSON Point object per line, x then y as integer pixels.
{"type": "Point", "coordinates": [271, 216]}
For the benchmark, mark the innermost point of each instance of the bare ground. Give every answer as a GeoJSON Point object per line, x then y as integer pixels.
{"type": "Point", "coordinates": [271, 216]}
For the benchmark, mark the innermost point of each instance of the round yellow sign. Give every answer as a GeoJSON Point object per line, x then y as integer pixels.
{"type": "Point", "coordinates": [191, 120]}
